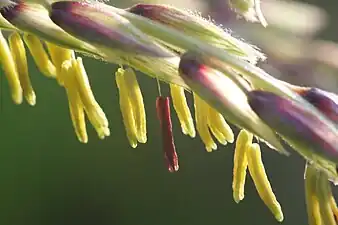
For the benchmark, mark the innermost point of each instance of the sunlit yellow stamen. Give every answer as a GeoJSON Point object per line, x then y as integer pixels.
{"type": "Point", "coordinates": [58, 56]}
{"type": "Point", "coordinates": [40, 55]}
{"type": "Point", "coordinates": [9, 68]}
{"type": "Point", "coordinates": [218, 125]}
{"type": "Point", "coordinates": [334, 206]}
{"type": "Point", "coordinates": [75, 104]}
{"type": "Point", "coordinates": [258, 174]}
{"type": "Point", "coordinates": [182, 109]}
{"type": "Point", "coordinates": [126, 108]}
{"type": "Point", "coordinates": [19, 55]}
{"type": "Point", "coordinates": [312, 204]}
{"type": "Point", "coordinates": [201, 116]}
{"type": "Point", "coordinates": [324, 199]}
{"type": "Point", "coordinates": [244, 140]}
{"type": "Point", "coordinates": [136, 99]}
{"type": "Point", "coordinates": [94, 112]}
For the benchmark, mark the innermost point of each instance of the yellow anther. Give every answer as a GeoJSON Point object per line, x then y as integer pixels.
{"type": "Point", "coordinates": [40, 55]}
{"type": "Point", "coordinates": [182, 109]}
{"type": "Point", "coordinates": [324, 199]}
{"type": "Point", "coordinates": [58, 56]}
{"type": "Point", "coordinates": [19, 55]}
{"type": "Point", "coordinates": [334, 206]}
{"type": "Point", "coordinates": [219, 126]}
{"type": "Point", "coordinates": [201, 116]}
{"type": "Point", "coordinates": [312, 204]}
{"type": "Point", "coordinates": [136, 99]}
{"type": "Point", "coordinates": [126, 108]}
{"type": "Point", "coordinates": [9, 68]}
{"type": "Point", "coordinates": [258, 174]}
{"type": "Point", "coordinates": [244, 140]}
{"type": "Point", "coordinates": [75, 104]}
{"type": "Point", "coordinates": [94, 112]}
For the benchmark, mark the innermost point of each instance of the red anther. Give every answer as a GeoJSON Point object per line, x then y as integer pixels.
{"type": "Point", "coordinates": [163, 114]}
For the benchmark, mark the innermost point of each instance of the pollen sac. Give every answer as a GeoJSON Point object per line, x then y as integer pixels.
{"type": "Point", "coordinates": [195, 26]}
{"type": "Point", "coordinates": [324, 101]}
{"type": "Point", "coordinates": [182, 110]}
{"type": "Point", "coordinates": [324, 199]}
{"type": "Point", "coordinates": [308, 134]}
{"type": "Point", "coordinates": [210, 122]}
{"type": "Point", "coordinates": [132, 107]}
{"type": "Point", "coordinates": [103, 28]}
{"type": "Point", "coordinates": [9, 67]}
{"type": "Point", "coordinates": [126, 109]}
{"type": "Point", "coordinates": [93, 110]}
{"type": "Point", "coordinates": [58, 56]}
{"type": "Point", "coordinates": [136, 98]}
{"type": "Point", "coordinates": [258, 174]}
{"type": "Point", "coordinates": [321, 206]}
{"type": "Point", "coordinates": [19, 55]}
{"type": "Point", "coordinates": [163, 113]}
{"type": "Point", "coordinates": [311, 198]}
{"type": "Point", "coordinates": [225, 96]}
{"type": "Point", "coordinates": [76, 108]}
{"type": "Point", "coordinates": [244, 141]}
{"type": "Point", "coordinates": [40, 55]}
{"type": "Point", "coordinates": [81, 99]}
{"type": "Point", "coordinates": [201, 117]}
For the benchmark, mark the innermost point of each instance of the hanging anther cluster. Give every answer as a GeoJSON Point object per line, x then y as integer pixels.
{"type": "Point", "coordinates": [194, 56]}
{"type": "Point", "coordinates": [248, 155]}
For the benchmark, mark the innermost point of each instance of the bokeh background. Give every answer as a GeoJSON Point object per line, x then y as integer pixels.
{"type": "Point", "coordinates": [48, 178]}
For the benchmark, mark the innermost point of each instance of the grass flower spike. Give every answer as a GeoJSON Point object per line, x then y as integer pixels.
{"type": "Point", "coordinates": [194, 57]}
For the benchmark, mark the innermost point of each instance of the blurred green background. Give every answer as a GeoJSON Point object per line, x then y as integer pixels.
{"type": "Point", "coordinates": [48, 178]}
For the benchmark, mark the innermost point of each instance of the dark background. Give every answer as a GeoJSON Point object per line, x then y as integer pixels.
{"type": "Point", "coordinates": [48, 178]}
